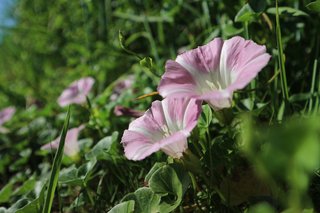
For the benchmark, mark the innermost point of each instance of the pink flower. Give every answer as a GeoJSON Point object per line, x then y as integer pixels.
{"type": "Point", "coordinates": [122, 86]}
{"type": "Point", "coordinates": [6, 114]}
{"type": "Point", "coordinates": [71, 146]}
{"type": "Point", "coordinates": [214, 71]}
{"type": "Point", "coordinates": [125, 111]}
{"type": "Point", "coordinates": [165, 127]}
{"type": "Point", "coordinates": [76, 93]}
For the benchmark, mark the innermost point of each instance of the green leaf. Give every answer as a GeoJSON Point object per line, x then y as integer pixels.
{"type": "Point", "coordinates": [56, 167]}
{"type": "Point", "coordinates": [258, 6]}
{"type": "Point", "coordinates": [74, 176]}
{"type": "Point", "coordinates": [35, 205]}
{"type": "Point", "coordinates": [27, 186]}
{"type": "Point", "coordinates": [6, 192]}
{"type": "Point", "coordinates": [287, 10]}
{"type": "Point", "coordinates": [206, 117]}
{"type": "Point", "coordinates": [124, 207]}
{"type": "Point", "coordinates": [27, 205]}
{"type": "Point", "coordinates": [147, 62]}
{"type": "Point", "coordinates": [122, 45]}
{"type": "Point", "coordinates": [245, 14]}
{"type": "Point", "coordinates": [105, 149]}
{"type": "Point", "coordinates": [299, 97]}
{"type": "Point", "coordinates": [261, 208]}
{"type": "Point", "coordinates": [155, 167]}
{"type": "Point", "coordinates": [145, 200]}
{"type": "Point", "coordinates": [314, 6]}
{"type": "Point", "coordinates": [167, 183]}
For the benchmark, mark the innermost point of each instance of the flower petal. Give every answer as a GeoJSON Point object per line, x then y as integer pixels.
{"type": "Point", "coordinates": [218, 99]}
{"type": "Point", "coordinates": [52, 145]}
{"type": "Point", "coordinates": [214, 71]}
{"type": "Point", "coordinates": [184, 114]}
{"type": "Point", "coordinates": [241, 60]}
{"type": "Point", "coordinates": [175, 144]}
{"type": "Point", "coordinates": [71, 146]}
{"type": "Point", "coordinates": [191, 114]}
{"type": "Point", "coordinates": [125, 111]}
{"type": "Point", "coordinates": [6, 114]}
{"type": "Point", "coordinates": [165, 126]}
{"type": "Point", "coordinates": [176, 81]}
{"type": "Point", "coordinates": [85, 85]}
{"type": "Point", "coordinates": [205, 58]}
{"type": "Point", "coordinates": [76, 93]}
{"type": "Point", "coordinates": [137, 146]}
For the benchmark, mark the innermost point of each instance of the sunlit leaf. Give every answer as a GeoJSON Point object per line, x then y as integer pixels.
{"type": "Point", "coordinates": [124, 207]}
{"type": "Point", "coordinates": [314, 6]}
{"type": "Point", "coordinates": [245, 14]}
{"type": "Point", "coordinates": [145, 200]}
{"type": "Point", "coordinates": [104, 149]}
{"type": "Point", "coordinates": [287, 10]}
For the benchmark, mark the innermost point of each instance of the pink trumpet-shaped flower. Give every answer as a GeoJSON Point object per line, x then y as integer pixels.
{"type": "Point", "coordinates": [125, 111]}
{"type": "Point", "coordinates": [214, 71]}
{"type": "Point", "coordinates": [76, 93]}
{"type": "Point", "coordinates": [71, 146]}
{"type": "Point", "coordinates": [121, 86]}
{"type": "Point", "coordinates": [6, 114]}
{"type": "Point", "coordinates": [165, 127]}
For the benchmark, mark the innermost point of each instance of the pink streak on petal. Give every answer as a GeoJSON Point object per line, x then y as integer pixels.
{"type": "Point", "coordinates": [175, 144]}
{"type": "Point", "coordinates": [176, 80]}
{"type": "Point", "coordinates": [191, 115]}
{"type": "Point", "coordinates": [249, 72]}
{"type": "Point", "coordinates": [185, 113]}
{"type": "Point", "coordinates": [240, 57]}
{"type": "Point", "coordinates": [137, 146]}
{"type": "Point", "coordinates": [157, 113]}
{"type": "Point", "coordinates": [205, 58]}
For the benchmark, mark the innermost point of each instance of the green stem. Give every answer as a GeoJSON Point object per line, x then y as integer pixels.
{"type": "Point", "coordinates": [246, 30]}
{"type": "Point", "coordinates": [314, 75]}
{"type": "Point", "coordinates": [281, 61]}
{"type": "Point", "coordinates": [88, 194]}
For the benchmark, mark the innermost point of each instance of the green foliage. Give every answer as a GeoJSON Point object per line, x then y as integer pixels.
{"type": "Point", "coordinates": [286, 10]}
{"type": "Point", "coordinates": [105, 149]}
{"type": "Point", "coordinates": [53, 181]}
{"type": "Point", "coordinates": [167, 184]}
{"type": "Point", "coordinates": [145, 200]}
{"type": "Point", "coordinates": [314, 6]}
{"type": "Point", "coordinates": [289, 153]}
{"type": "Point", "coordinates": [124, 207]}
{"type": "Point", "coordinates": [246, 14]}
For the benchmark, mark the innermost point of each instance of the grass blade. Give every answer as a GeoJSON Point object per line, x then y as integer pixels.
{"type": "Point", "coordinates": [281, 61]}
{"type": "Point", "coordinates": [56, 167]}
{"type": "Point", "coordinates": [313, 80]}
